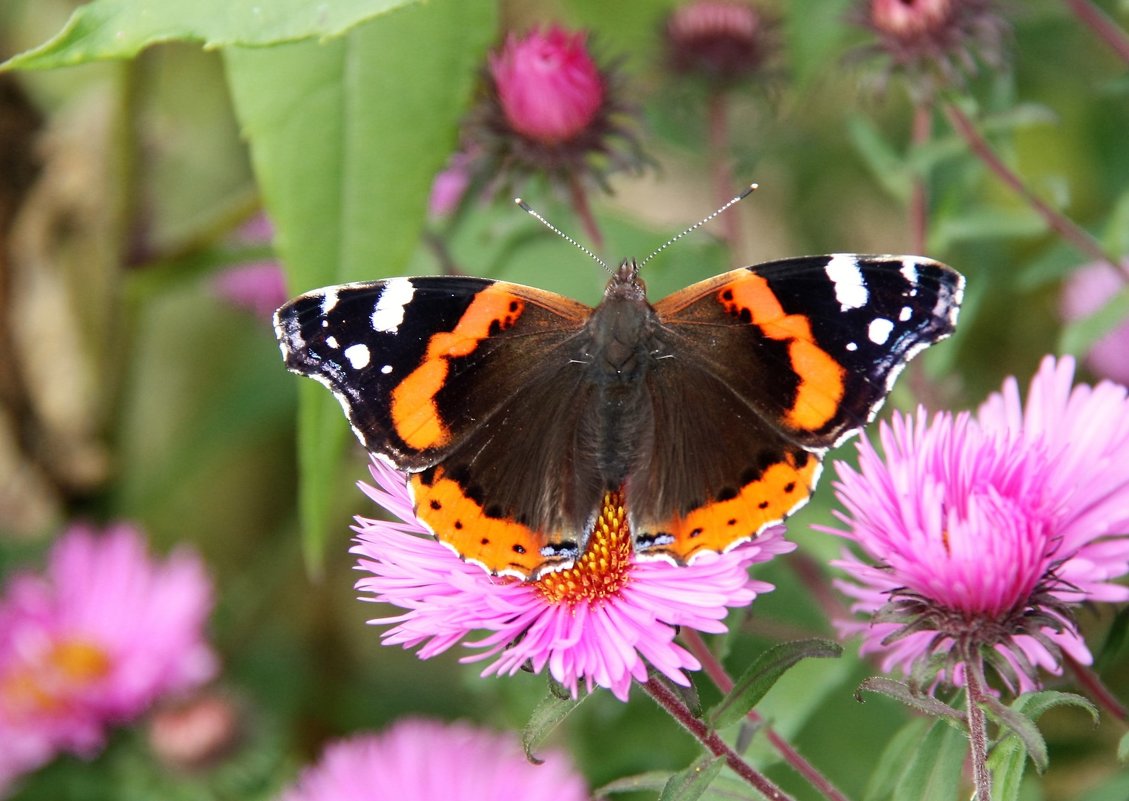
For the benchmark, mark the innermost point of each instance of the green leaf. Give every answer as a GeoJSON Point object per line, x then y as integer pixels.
{"type": "Point", "coordinates": [1023, 740]}
{"type": "Point", "coordinates": [887, 166]}
{"type": "Point", "coordinates": [346, 137]}
{"type": "Point", "coordinates": [105, 29]}
{"type": "Point", "coordinates": [1115, 640]}
{"type": "Point", "coordinates": [1023, 729]}
{"type": "Point", "coordinates": [894, 758]}
{"type": "Point", "coordinates": [1123, 748]}
{"type": "Point", "coordinates": [763, 673]}
{"type": "Point", "coordinates": [690, 784]}
{"type": "Point", "coordinates": [652, 781]}
{"type": "Point", "coordinates": [915, 700]}
{"type": "Point", "coordinates": [1033, 705]}
{"type": "Point", "coordinates": [545, 718]}
{"type": "Point", "coordinates": [980, 223]}
{"type": "Point", "coordinates": [934, 769]}
{"type": "Point", "coordinates": [1007, 762]}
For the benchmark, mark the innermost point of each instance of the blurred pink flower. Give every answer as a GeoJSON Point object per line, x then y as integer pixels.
{"type": "Point", "coordinates": [987, 530]}
{"type": "Point", "coordinates": [719, 40]}
{"type": "Point", "coordinates": [600, 623]}
{"type": "Point", "coordinates": [258, 287]}
{"type": "Point", "coordinates": [105, 632]}
{"type": "Point", "coordinates": [549, 86]}
{"type": "Point", "coordinates": [1086, 291]}
{"type": "Point", "coordinates": [422, 760]}
{"type": "Point", "coordinates": [936, 42]}
{"type": "Point", "coordinates": [449, 185]}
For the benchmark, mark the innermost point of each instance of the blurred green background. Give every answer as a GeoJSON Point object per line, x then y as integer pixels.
{"type": "Point", "coordinates": [153, 400]}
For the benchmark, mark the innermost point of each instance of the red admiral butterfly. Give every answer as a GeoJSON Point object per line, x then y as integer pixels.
{"type": "Point", "coordinates": [514, 410]}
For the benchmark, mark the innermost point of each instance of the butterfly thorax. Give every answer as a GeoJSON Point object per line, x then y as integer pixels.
{"type": "Point", "coordinates": [620, 329]}
{"type": "Point", "coordinates": [620, 349]}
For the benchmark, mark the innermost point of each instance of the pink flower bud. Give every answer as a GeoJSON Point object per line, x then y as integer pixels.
{"type": "Point", "coordinates": [549, 87]}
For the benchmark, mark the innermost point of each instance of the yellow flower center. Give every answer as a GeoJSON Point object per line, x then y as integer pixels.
{"type": "Point", "coordinates": [604, 568]}
{"type": "Point", "coordinates": [48, 684]}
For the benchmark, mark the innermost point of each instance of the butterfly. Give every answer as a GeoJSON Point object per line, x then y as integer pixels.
{"type": "Point", "coordinates": [513, 410]}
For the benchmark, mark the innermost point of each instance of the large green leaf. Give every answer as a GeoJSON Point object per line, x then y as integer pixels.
{"type": "Point", "coordinates": [346, 137]}
{"type": "Point", "coordinates": [106, 29]}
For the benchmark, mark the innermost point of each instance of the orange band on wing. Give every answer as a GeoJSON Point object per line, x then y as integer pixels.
{"type": "Point", "coordinates": [500, 545]}
{"type": "Point", "coordinates": [820, 388]}
{"type": "Point", "coordinates": [720, 525]}
{"type": "Point", "coordinates": [415, 414]}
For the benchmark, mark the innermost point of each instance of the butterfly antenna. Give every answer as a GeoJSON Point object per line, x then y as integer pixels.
{"type": "Point", "coordinates": [533, 212]}
{"type": "Point", "coordinates": [752, 188]}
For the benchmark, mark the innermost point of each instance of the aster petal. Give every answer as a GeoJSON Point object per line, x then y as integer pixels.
{"type": "Point", "coordinates": [607, 641]}
{"type": "Point", "coordinates": [999, 520]}
{"type": "Point", "coordinates": [479, 765]}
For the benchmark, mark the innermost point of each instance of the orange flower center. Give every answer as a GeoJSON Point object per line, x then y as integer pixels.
{"type": "Point", "coordinates": [604, 568]}
{"type": "Point", "coordinates": [48, 684]}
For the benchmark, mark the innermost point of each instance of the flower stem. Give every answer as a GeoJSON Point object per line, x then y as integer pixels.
{"type": "Point", "coordinates": [722, 167]}
{"type": "Point", "coordinates": [1067, 228]}
{"type": "Point", "coordinates": [717, 673]}
{"type": "Point", "coordinates": [919, 200]}
{"type": "Point", "coordinates": [584, 212]}
{"type": "Point", "coordinates": [977, 722]}
{"type": "Point", "coordinates": [710, 739]}
{"type": "Point", "coordinates": [1096, 689]}
{"type": "Point", "coordinates": [1102, 26]}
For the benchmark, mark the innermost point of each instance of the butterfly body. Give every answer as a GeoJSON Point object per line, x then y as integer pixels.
{"type": "Point", "coordinates": [514, 410]}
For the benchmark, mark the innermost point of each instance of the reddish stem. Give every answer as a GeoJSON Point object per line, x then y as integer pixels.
{"type": "Point", "coordinates": [919, 200]}
{"type": "Point", "coordinates": [1102, 26]}
{"type": "Point", "coordinates": [1067, 228]}
{"type": "Point", "coordinates": [716, 672]}
{"type": "Point", "coordinates": [722, 166]}
{"type": "Point", "coordinates": [977, 722]}
{"type": "Point", "coordinates": [584, 212]}
{"type": "Point", "coordinates": [710, 739]}
{"type": "Point", "coordinates": [1097, 690]}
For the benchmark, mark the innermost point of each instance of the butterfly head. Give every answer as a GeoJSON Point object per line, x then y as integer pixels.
{"type": "Point", "coordinates": [626, 283]}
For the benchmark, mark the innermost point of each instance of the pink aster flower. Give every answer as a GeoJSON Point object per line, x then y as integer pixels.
{"type": "Point", "coordinates": [1087, 290]}
{"type": "Point", "coordinates": [980, 534]}
{"type": "Point", "coordinates": [548, 84]}
{"type": "Point", "coordinates": [401, 763]}
{"type": "Point", "coordinates": [719, 40]}
{"type": "Point", "coordinates": [600, 623]}
{"type": "Point", "coordinates": [94, 641]}
{"type": "Point", "coordinates": [548, 109]}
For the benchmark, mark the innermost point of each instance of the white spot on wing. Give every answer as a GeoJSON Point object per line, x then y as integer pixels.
{"type": "Point", "coordinates": [879, 330]}
{"type": "Point", "coordinates": [909, 270]}
{"type": "Point", "coordinates": [386, 369]}
{"type": "Point", "coordinates": [394, 298]}
{"type": "Point", "coordinates": [328, 301]}
{"type": "Point", "coordinates": [331, 340]}
{"type": "Point", "coordinates": [852, 346]}
{"type": "Point", "coordinates": [358, 356]}
{"type": "Point", "coordinates": [905, 314]}
{"type": "Point", "coordinates": [850, 289]}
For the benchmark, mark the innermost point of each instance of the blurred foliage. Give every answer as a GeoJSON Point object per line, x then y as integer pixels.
{"type": "Point", "coordinates": [149, 399]}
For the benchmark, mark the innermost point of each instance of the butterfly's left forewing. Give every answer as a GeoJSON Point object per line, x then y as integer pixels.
{"type": "Point", "coordinates": [803, 352]}
{"type": "Point", "coordinates": [458, 381]}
